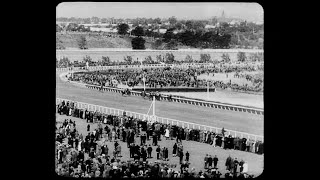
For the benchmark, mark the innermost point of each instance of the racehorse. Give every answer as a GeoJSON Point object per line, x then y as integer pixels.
{"type": "Point", "coordinates": [125, 92]}
{"type": "Point", "coordinates": [101, 88]}
{"type": "Point", "coordinates": [143, 94]}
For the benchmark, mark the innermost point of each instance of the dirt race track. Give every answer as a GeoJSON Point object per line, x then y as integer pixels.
{"type": "Point", "coordinates": [237, 121]}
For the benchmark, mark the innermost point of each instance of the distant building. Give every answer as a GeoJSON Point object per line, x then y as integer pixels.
{"type": "Point", "coordinates": [209, 26]}
{"type": "Point", "coordinates": [98, 29]}
{"type": "Point", "coordinates": [259, 22]}
{"type": "Point", "coordinates": [177, 31]}
{"type": "Point", "coordinates": [234, 22]}
{"type": "Point", "coordinates": [161, 31]}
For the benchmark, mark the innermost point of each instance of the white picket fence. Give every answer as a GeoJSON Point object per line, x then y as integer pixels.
{"type": "Point", "coordinates": [114, 111]}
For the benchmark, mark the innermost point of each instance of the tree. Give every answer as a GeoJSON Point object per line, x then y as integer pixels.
{"type": "Point", "coordinates": [186, 38]}
{"type": "Point", "coordinates": [87, 59]}
{"type": "Point", "coordinates": [138, 43]}
{"type": "Point", "coordinates": [168, 35]}
{"type": "Point", "coordinates": [172, 45]}
{"type": "Point", "coordinates": [205, 58]}
{"type": "Point", "coordinates": [72, 27]}
{"type": "Point", "coordinates": [260, 56]}
{"type": "Point", "coordinates": [160, 58]}
{"type": "Point", "coordinates": [157, 44]}
{"type": "Point", "coordinates": [123, 29]}
{"type": "Point", "coordinates": [189, 59]}
{"type": "Point", "coordinates": [157, 21]}
{"type": "Point", "coordinates": [224, 25]}
{"type": "Point", "coordinates": [178, 25]}
{"type": "Point", "coordinates": [241, 56]}
{"type": "Point", "coordinates": [64, 62]}
{"type": "Point", "coordinates": [106, 61]}
{"type": "Point", "coordinates": [58, 28]}
{"type": "Point", "coordinates": [214, 21]}
{"type": "Point", "coordinates": [59, 44]}
{"type": "Point", "coordinates": [189, 24]}
{"type": "Point", "coordinates": [172, 20]}
{"type": "Point", "coordinates": [225, 57]}
{"type": "Point", "coordinates": [128, 60]}
{"type": "Point", "coordinates": [82, 42]}
{"type": "Point", "coordinates": [169, 58]}
{"type": "Point", "coordinates": [95, 20]}
{"type": "Point", "coordinates": [255, 57]}
{"type": "Point", "coordinates": [138, 31]}
{"type": "Point", "coordinates": [198, 25]}
{"type": "Point", "coordinates": [81, 28]}
{"type": "Point", "coordinates": [104, 20]}
{"type": "Point", "coordinates": [148, 60]}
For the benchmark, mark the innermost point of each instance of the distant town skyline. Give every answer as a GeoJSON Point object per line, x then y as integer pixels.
{"type": "Point", "coordinates": [245, 11]}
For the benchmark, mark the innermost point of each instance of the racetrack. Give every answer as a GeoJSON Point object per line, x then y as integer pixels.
{"type": "Point", "coordinates": [238, 121]}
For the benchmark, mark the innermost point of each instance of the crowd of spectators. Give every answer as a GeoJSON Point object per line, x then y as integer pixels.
{"type": "Point", "coordinates": [155, 77]}
{"type": "Point", "coordinates": [89, 156]}
{"type": "Point", "coordinates": [171, 77]}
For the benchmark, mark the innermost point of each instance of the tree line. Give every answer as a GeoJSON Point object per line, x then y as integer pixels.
{"type": "Point", "coordinates": [168, 58]}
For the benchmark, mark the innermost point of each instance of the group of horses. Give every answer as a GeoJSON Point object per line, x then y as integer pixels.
{"type": "Point", "coordinates": [145, 95]}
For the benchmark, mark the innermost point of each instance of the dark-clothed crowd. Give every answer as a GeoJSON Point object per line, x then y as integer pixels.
{"type": "Point", "coordinates": [171, 77]}
{"type": "Point", "coordinates": [89, 156]}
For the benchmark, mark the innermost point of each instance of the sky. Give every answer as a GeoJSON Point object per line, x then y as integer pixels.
{"type": "Point", "coordinates": [246, 11]}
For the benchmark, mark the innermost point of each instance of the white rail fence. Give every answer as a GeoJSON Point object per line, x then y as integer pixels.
{"type": "Point", "coordinates": [183, 65]}
{"type": "Point", "coordinates": [114, 111]}
{"type": "Point", "coordinates": [211, 104]}
{"type": "Point", "coordinates": [96, 68]}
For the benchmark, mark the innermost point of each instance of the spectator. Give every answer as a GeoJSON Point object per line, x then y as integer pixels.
{"type": "Point", "coordinates": [149, 151]}
{"type": "Point", "coordinates": [206, 161]}
{"type": "Point", "coordinates": [167, 134]}
{"type": "Point", "coordinates": [210, 161]}
{"type": "Point", "coordinates": [181, 157]}
{"type": "Point", "coordinates": [187, 156]}
{"type": "Point", "coordinates": [228, 163]}
{"type": "Point", "coordinates": [119, 151]}
{"type": "Point", "coordinates": [236, 162]}
{"type": "Point", "coordinates": [174, 152]}
{"type": "Point", "coordinates": [241, 165]}
{"type": "Point", "coordinates": [215, 161]}
{"type": "Point", "coordinates": [158, 152]}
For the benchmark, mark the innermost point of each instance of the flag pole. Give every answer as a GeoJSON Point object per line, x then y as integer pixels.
{"type": "Point", "coordinates": [154, 106]}
{"type": "Point", "coordinates": [144, 83]}
{"type": "Point", "coordinates": [208, 90]}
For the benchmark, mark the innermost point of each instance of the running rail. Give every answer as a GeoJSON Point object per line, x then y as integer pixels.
{"type": "Point", "coordinates": [114, 111]}
{"type": "Point", "coordinates": [99, 68]}
{"type": "Point", "coordinates": [212, 104]}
